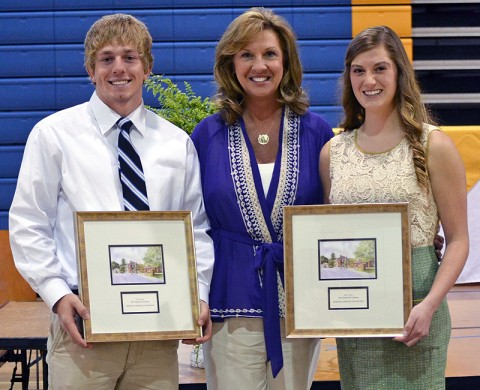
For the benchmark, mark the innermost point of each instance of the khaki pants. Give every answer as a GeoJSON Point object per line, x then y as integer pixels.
{"type": "Point", "coordinates": [111, 365]}
{"type": "Point", "coordinates": [235, 358]}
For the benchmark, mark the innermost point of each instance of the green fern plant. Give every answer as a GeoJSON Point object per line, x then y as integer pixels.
{"type": "Point", "coordinates": [183, 109]}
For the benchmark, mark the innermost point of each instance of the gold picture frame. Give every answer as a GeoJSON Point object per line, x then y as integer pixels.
{"type": "Point", "coordinates": [347, 270]}
{"type": "Point", "coordinates": [137, 275]}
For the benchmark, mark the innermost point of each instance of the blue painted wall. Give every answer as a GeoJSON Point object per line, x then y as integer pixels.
{"type": "Point", "coordinates": [41, 46]}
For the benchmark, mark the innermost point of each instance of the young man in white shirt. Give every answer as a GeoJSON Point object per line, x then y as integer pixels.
{"type": "Point", "coordinates": [70, 164]}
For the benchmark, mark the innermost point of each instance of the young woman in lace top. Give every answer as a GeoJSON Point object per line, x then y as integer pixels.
{"type": "Point", "coordinates": [391, 152]}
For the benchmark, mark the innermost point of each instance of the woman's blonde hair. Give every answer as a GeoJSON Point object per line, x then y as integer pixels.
{"type": "Point", "coordinates": [240, 32]}
{"type": "Point", "coordinates": [413, 113]}
{"type": "Point", "coordinates": [120, 29]}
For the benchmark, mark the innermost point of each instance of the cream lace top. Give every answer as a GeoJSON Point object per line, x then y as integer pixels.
{"type": "Point", "coordinates": [387, 177]}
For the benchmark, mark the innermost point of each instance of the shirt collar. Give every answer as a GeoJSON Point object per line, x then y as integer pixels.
{"type": "Point", "coordinates": [107, 118]}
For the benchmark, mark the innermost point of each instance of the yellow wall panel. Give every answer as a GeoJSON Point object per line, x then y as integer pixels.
{"type": "Point", "coordinates": [377, 2]}
{"type": "Point", "coordinates": [467, 141]}
{"type": "Point", "coordinates": [408, 45]}
{"type": "Point", "coordinates": [397, 17]}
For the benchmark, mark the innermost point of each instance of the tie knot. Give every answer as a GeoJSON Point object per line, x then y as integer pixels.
{"type": "Point", "coordinates": [125, 124]}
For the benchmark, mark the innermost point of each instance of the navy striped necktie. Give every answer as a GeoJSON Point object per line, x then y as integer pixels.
{"type": "Point", "coordinates": [130, 170]}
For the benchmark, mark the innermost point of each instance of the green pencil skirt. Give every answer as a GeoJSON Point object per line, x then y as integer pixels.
{"type": "Point", "coordinates": [381, 363]}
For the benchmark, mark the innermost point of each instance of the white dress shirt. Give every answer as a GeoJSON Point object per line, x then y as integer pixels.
{"type": "Point", "coordinates": [70, 164]}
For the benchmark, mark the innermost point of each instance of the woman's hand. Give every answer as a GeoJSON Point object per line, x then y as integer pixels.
{"type": "Point", "coordinates": [418, 324]}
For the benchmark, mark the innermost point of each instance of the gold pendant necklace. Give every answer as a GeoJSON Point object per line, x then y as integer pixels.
{"type": "Point", "coordinates": [263, 139]}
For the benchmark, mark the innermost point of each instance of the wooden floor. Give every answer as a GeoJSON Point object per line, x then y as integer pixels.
{"type": "Point", "coordinates": [463, 354]}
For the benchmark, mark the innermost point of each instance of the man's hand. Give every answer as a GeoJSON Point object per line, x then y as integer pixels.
{"type": "Point", "coordinates": [205, 322]}
{"type": "Point", "coordinates": [69, 308]}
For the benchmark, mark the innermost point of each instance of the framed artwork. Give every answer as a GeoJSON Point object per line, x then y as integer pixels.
{"type": "Point", "coordinates": [347, 270]}
{"type": "Point", "coordinates": [137, 275]}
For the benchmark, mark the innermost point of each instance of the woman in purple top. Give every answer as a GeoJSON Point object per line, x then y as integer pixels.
{"type": "Point", "coordinates": [257, 155]}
